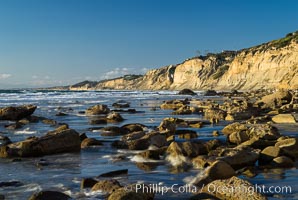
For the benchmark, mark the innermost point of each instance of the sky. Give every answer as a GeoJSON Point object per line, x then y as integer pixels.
{"type": "Point", "coordinates": [61, 42]}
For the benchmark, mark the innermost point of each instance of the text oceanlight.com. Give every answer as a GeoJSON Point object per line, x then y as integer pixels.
{"type": "Point", "coordinates": [210, 188]}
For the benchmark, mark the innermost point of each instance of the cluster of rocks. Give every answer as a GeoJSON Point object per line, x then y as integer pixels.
{"type": "Point", "coordinates": [252, 141]}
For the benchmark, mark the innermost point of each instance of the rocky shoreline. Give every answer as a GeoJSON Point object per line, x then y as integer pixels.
{"type": "Point", "coordinates": [253, 142]}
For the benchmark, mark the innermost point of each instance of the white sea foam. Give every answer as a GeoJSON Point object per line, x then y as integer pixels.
{"type": "Point", "coordinates": [25, 131]}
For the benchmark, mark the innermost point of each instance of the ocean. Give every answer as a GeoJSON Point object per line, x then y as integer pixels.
{"type": "Point", "coordinates": [63, 172]}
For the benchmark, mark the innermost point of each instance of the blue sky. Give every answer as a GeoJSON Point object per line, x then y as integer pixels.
{"type": "Point", "coordinates": [60, 42]}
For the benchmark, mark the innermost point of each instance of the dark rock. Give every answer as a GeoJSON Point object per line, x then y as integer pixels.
{"type": "Point", "coordinates": [210, 93]}
{"type": "Point", "coordinates": [83, 136]}
{"type": "Point", "coordinates": [55, 142]}
{"type": "Point", "coordinates": [49, 195]}
{"type": "Point", "coordinates": [99, 120]}
{"type": "Point", "coordinates": [88, 142]}
{"type": "Point", "coordinates": [11, 184]}
{"type": "Point", "coordinates": [121, 105]}
{"type": "Point", "coordinates": [114, 173]}
{"type": "Point", "coordinates": [130, 128]}
{"type": "Point", "coordinates": [106, 186]}
{"type": "Point", "coordinates": [97, 110]}
{"type": "Point", "coordinates": [60, 114]}
{"type": "Point", "coordinates": [187, 92]}
{"type": "Point", "coordinates": [112, 131]}
{"type": "Point", "coordinates": [88, 183]}
{"type": "Point", "coordinates": [14, 126]}
{"type": "Point", "coordinates": [4, 140]}
{"type": "Point", "coordinates": [282, 162]}
{"type": "Point", "coordinates": [114, 117]}
{"type": "Point", "coordinates": [268, 154]}
{"type": "Point", "coordinates": [16, 113]}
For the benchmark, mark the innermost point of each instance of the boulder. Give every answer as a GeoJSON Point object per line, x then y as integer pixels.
{"type": "Point", "coordinates": [168, 125]}
{"type": "Point", "coordinates": [133, 192]}
{"type": "Point", "coordinates": [276, 99]}
{"type": "Point", "coordinates": [153, 154]}
{"type": "Point", "coordinates": [235, 127]}
{"type": "Point", "coordinates": [203, 161]}
{"type": "Point", "coordinates": [210, 93]}
{"type": "Point", "coordinates": [89, 142]}
{"type": "Point", "coordinates": [16, 113]}
{"type": "Point", "coordinates": [173, 104]}
{"type": "Point", "coordinates": [49, 195]}
{"type": "Point", "coordinates": [238, 137]}
{"type": "Point", "coordinates": [214, 114]}
{"type": "Point", "coordinates": [186, 92]}
{"type": "Point", "coordinates": [54, 142]}
{"type": "Point", "coordinates": [106, 186]}
{"type": "Point", "coordinates": [268, 154]}
{"type": "Point", "coordinates": [14, 126]}
{"type": "Point", "coordinates": [219, 170]}
{"type": "Point", "coordinates": [283, 119]}
{"type": "Point", "coordinates": [88, 183]}
{"type": "Point", "coordinates": [121, 105]}
{"type": "Point", "coordinates": [289, 146]}
{"type": "Point", "coordinates": [233, 188]}
{"type": "Point", "coordinates": [4, 140]}
{"type": "Point", "coordinates": [112, 131]}
{"type": "Point", "coordinates": [282, 162]}
{"type": "Point", "coordinates": [183, 110]}
{"type": "Point", "coordinates": [238, 157]}
{"type": "Point", "coordinates": [186, 134]}
{"type": "Point", "coordinates": [114, 117]}
{"type": "Point", "coordinates": [97, 110]}
{"type": "Point", "coordinates": [130, 128]}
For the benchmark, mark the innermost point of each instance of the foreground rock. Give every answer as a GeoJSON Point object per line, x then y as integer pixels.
{"type": "Point", "coordinates": [132, 193]}
{"type": "Point", "coordinates": [106, 186]}
{"type": "Point", "coordinates": [237, 157]}
{"type": "Point", "coordinates": [54, 142]}
{"type": "Point", "coordinates": [16, 113]}
{"type": "Point", "coordinates": [233, 189]}
{"type": "Point", "coordinates": [218, 170]}
{"type": "Point", "coordinates": [49, 195]}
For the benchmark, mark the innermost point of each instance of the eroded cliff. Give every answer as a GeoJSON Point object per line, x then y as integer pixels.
{"type": "Point", "coordinates": [267, 66]}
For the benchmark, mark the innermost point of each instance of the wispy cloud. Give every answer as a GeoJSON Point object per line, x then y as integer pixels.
{"type": "Point", "coordinates": [117, 72]}
{"type": "Point", "coordinates": [43, 81]}
{"type": "Point", "coordinates": [4, 76]}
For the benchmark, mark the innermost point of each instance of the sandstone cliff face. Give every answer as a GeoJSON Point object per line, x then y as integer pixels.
{"type": "Point", "coordinates": [267, 66]}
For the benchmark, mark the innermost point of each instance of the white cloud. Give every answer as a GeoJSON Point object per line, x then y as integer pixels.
{"type": "Point", "coordinates": [4, 76]}
{"type": "Point", "coordinates": [118, 72]}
